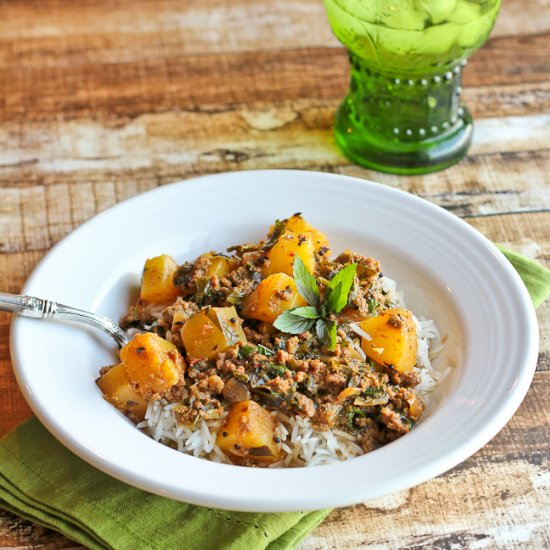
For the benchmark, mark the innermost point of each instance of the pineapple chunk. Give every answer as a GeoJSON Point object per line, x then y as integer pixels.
{"type": "Point", "coordinates": [220, 266]}
{"type": "Point", "coordinates": [281, 255]}
{"type": "Point", "coordinates": [157, 284]}
{"type": "Point", "coordinates": [212, 330]}
{"type": "Point", "coordinates": [393, 339]}
{"type": "Point", "coordinates": [273, 295]}
{"type": "Point", "coordinates": [297, 224]}
{"type": "Point", "coordinates": [119, 391]}
{"type": "Point", "coordinates": [249, 431]}
{"type": "Point", "coordinates": [153, 364]}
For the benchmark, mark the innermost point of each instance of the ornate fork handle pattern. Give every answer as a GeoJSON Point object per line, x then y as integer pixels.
{"type": "Point", "coordinates": [30, 306]}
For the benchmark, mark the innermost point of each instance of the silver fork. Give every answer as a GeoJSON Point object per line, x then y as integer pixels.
{"type": "Point", "coordinates": [29, 306]}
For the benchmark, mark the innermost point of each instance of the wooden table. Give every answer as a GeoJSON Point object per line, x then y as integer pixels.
{"type": "Point", "coordinates": [101, 100]}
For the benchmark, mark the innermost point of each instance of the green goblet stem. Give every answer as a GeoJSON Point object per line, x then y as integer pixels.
{"type": "Point", "coordinates": [403, 125]}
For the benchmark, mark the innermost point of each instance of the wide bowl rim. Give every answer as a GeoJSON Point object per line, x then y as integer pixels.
{"type": "Point", "coordinates": [248, 500]}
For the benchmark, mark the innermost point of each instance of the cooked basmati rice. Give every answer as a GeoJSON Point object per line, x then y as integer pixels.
{"type": "Point", "coordinates": [358, 330]}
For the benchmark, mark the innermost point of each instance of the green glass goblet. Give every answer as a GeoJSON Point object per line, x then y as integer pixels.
{"type": "Point", "coordinates": [402, 113]}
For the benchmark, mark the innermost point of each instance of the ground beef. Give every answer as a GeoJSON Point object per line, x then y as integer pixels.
{"type": "Point", "coordinates": [409, 379]}
{"type": "Point", "coordinates": [257, 337]}
{"type": "Point", "coordinates": [213, 384]}
{"type": "Point", "coordinates": [305, 405]}
{"type": "Point", "coordinates": [279, 385]}
{"type": "Point", "coordinates": [292, 345]}
{"type": "Point", "coordinates": [139, 315]}
{"type": "Point", "coordinates": [368, 268]}
{"type": "Point", "coordinates": [325, 416]}
{"type": "Point", "coordinates": [393, 421]}
{"type": "Point", "coordinates": [335, 381]}
{"type": "Point", "coordinates": [367, 441]}
{"type": "Point", "coordinates": [186, 415]}
{"type": "Point", "coordinates": [283, 357]}
{"type": "Point", "coordinates": [395, 321]}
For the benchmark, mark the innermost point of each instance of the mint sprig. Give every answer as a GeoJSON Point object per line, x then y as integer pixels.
{"type": "Point", "coordinates": [326, 332]}
{"type": "Point", "coordinates": [339, 288]}
{"type": "Point", "coordinates": [301, 319]}
{"type": "Point", "coordinates": [291, 323]}
{"type": "Point", "coordinates": [305, 282]}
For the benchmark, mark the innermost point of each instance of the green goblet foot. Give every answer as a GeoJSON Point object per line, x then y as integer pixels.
{"type": "Point", "coordinates": [404, 126]}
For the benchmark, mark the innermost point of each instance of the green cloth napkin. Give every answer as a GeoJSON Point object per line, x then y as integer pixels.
{"type": "Point", "coordinates": [535, 277]}
{"type": "Point", "coordinates": [44, 482]}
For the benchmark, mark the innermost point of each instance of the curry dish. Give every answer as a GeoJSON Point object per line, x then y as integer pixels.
{"type": "Point", "coordinates": [271, 354]}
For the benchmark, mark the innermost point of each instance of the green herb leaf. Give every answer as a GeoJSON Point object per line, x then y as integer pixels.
{"type": "Point", "coordinates": [321, 330]}
{"type": "Point", "coordinates": [308, 386]}
{"type": "Point", "coordinates": [352, 414]}
{"type": "Point", "coordinates": [236, 297]}
{"type": "Point", "coordinates": [339, 288]}
{"type": "Point", "coordinates": [278, 370]}
{"type": "Point", "coordinates": [203, 287]}
{"type": "Point", "coordinates": [407, 422]}
{"type": "Point", "coordinates": [307, 312]}
{"type": "Point", "coordinates": [267, 394]}
{"type": "Point", "coordinates": [331, 335]}
{"type": "Point", "coordinates": [265, 351]}
{"type": "Point", "coordinates": [240, 249]}
{"type": "Point", "coordinates": [305, 282]}
{"type": "Point", "coordinates": [246, 351]}
{"type": "Point", "coordinates": [293, 324]}
{"type": "Point", "coordinates": [372, 305]}
{"type": "Point", "coordinates": [333, 299]}
{"type": "Point", "coordinates": [372, 391]}
{"type": "Point", "coordinates": [278, 230]}
{"type": "Point", "coordinates": [326, 332]}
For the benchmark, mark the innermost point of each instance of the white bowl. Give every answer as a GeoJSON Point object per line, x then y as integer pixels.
{"type": "Point", "coordinates": [449, 272]}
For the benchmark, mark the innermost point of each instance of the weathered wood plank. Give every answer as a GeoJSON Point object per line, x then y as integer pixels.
{"type": "Point", "coordinates": [472, 188]}
{"type": "Point", "coordinates": [214, 81]}
{"type": "Point", "coordinates": [483, 507]}
{"type": "Point", "coordinates": [14, 270]}
{"type": "Point", "coordinates": [111, 32]}
{"type": "Point", "coordinates": [508, 64]}
{"type": "Point", "coordinates": [20, 534]}
{"type": "Point", "coordinates": [514, 19]}
{"type": "Point", "coordinates": [488, 185]}
{"type": "Point", "coordinates": [30, 154]}
{"type": "Point", "coordinates": [507, 100]}
{"type": "Point", "coordinates": [200, 82]}
{"type": "Point", "coordinates": [526, 233]}
{"type": "Point", "coordinates": [39, 227]}
{"type": "Point", "coordinates": [505, 172]}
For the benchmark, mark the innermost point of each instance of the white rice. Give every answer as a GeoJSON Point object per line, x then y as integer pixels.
{"type": "Point", "coordinates": [301, 443]}
{"type": "Point", "coordinates": [358, 330]}
{"type": "Point", "coordinates": [389, 286]}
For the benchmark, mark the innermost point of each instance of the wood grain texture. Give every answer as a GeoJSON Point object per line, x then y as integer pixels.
{"type": "Point", "coordinates": [100, 101]}
{"type": "Point", "coordinates": [92, 86]}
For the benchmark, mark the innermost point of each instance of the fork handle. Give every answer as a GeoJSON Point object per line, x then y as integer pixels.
{"type": "Point", "coordinates": [29, 306]}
